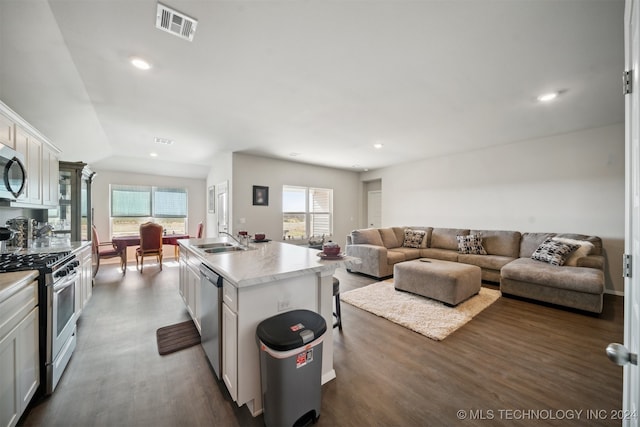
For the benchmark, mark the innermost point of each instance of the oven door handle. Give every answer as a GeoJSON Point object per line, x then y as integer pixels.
{"type": "Point", "coordinates": [65, 283]}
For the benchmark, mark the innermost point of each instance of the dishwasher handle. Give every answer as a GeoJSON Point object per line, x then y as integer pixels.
{"type": "Point", "coordinates": [210, 275]}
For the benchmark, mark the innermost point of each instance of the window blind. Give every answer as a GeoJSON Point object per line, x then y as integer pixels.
{"type": "Point", "coordinates": [130, 201]}
{"type": "Point", "coordinates": [143, 201]}
{"type": "Point", "coordinates": [169, 202]}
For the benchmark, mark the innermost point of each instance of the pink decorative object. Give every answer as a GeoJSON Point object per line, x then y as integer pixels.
{"type": "Point", "coordinates": [331, 248]}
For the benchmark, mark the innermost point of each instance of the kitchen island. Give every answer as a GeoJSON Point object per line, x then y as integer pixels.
{"type": "Point", "coordinates": [267, 279]}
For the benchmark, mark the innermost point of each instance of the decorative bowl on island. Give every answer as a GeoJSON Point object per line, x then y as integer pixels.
{"type": "Point", "coordinates": [331, 249]}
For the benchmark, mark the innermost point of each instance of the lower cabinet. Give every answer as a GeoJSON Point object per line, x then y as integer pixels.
{"type": "Point", "coordinates": [19, 357]}
{"type": "Point", "coordinates": [189, 286]}
{"type": "Point", "coordinates": [84, 281]}
{"type": "Point", "coordinates": [193, 294]}
{"type": "Point", "coordinates": [230, 350]}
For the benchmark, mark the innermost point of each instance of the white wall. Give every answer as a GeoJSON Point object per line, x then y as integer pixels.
{"type": "Point", "coordinates": [196, 191]}
{"type": "Point", "coordinates": [571, 183]}
{"type": "Point", "coordinates": [251, 170]}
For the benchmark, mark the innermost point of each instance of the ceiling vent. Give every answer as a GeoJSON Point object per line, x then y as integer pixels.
{"type": "Point", "coordinates": [176, 23]}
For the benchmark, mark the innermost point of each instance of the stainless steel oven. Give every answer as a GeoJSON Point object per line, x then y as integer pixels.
{"type": "Point", "coordinates": [61, 326]}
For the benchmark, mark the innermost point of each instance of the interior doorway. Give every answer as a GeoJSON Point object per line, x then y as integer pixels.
{"type": "Point", "coordinates": [372, 203]}
{"type": "Point", "coordinates": [222, 194]}
{"type": "Point", "coordinates": [374, 209]}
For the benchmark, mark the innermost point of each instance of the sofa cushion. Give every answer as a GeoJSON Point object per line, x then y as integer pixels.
{"type": "Point", "coordinates": [530, 242]}
{"type": "Point", "coordinates": [471, 244]}
{"type": "Point", "coordinates": [445, 238]}
{"type": "Point", "coordinates": [414, 238]}
{"type": "Point", "coordinates": [443, 254]}
{"type": "Point", "coordinates": [503, 243]}
{"type": "Point", "coordinates": [487, 262]}
{"type": "Point", "coordinates": [395, 256]}
{"type": "Point", "coordinates": [366, 236]}
{"type": "Point", "coordinates": [553, 252]}
{"type": "Point", "coordinates": [579, 279]}
{"type": "Point", "coordinates": [389, 238]}
{"type": "Point", "coordinates": [584, 248]}
{"type": "Point", "coordinates": [409, 253]}
{"type": "Point", "coordinates": [399, 232]}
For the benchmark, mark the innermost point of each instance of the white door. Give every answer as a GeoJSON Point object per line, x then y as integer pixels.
{"type": "Point", "coordinates": [374, 209]}
{"type": "Point", "coordinates": [628, 353]}
{"type": "Point", "coordinates": [222, 192]}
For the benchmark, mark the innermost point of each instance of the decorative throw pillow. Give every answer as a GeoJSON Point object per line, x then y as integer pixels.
{"type": "Point", "coordinates": [413, 238]}
{"type": "Point", "coordinates": [553, 252]}
{"type": "Point", "coordinates": [470, 244]}
{"type": "Point", "coordinates": [584, 249]}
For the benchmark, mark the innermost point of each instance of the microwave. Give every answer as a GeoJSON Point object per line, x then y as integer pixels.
{"type": "Point", "coordinates": [14, 174]}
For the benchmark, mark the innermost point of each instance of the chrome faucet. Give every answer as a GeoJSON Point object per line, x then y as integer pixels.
{"type": "Point", "coordinates": [242, 245]}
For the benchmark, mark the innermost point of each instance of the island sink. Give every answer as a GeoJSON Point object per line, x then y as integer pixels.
{"type": "Point", "coordinates": [221, 247]}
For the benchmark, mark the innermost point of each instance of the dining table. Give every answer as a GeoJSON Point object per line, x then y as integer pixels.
{"type": "Point", "coordinates": [122, 242]}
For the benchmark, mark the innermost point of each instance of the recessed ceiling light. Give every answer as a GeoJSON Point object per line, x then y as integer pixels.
{"type": "Point", "coordinates": [153, 154]}
{"type": "Point", "coordinates": [140, 63]}
{"type": "Point", "coordinates": [378, 146]}
{"type": "Point", "coordinates": [548, 96]}
{"type": "Point", "coordinates": [294, 154]}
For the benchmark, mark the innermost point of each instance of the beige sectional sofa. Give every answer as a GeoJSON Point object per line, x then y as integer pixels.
{"type": "Point", "coordinates": [507, 261]}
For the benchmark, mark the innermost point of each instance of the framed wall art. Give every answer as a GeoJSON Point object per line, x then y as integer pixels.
{"type": "Point", "coordinates": [260, 196]}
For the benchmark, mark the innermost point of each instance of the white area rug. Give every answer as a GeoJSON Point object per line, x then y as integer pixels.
{"type": "Point", "coordinates": [428, 317]}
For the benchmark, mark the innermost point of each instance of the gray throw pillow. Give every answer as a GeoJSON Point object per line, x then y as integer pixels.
{"type": "Point", "coordinates": [554, 252]}
{"type": "Point", "coordinates": [471, 244]}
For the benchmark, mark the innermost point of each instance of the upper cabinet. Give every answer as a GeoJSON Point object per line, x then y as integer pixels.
{"type": "Point", "coordinates": [40, 156]}
{"type": "Point", "coordinates": [7, 131]}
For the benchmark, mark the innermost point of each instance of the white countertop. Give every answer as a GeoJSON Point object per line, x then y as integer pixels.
{"type": "Point", "coordinates": [12, 283]}
{"type": "Point", "coordinates": [71, 246]}
{"type": "Point", "coordinates": [265, 262]}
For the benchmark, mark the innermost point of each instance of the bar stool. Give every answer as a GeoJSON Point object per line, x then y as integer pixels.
{"type": "Point", "coordinates": [336, 293]}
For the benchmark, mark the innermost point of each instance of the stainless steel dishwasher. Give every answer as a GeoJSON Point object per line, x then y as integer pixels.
{"type": "Point", "coordinates": [211, 320]}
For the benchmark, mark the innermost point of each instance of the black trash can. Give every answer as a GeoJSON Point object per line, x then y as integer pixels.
{"type": "Point", "coordinates": [291, 367]}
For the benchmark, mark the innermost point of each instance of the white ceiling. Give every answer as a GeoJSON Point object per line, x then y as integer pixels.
{"type": "Point", "coordinates": [325, 79]}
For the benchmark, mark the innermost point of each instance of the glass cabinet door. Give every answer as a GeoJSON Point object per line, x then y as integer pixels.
{"type": "Point", "coordinates": [62, 218]}
{"type": "Point", "coordinates": [73, 216]}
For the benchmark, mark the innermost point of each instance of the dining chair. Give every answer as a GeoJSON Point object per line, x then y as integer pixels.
{"type": "Point", "coordinates": [150, 243]}
{"type": "Point", "coordinates": [104, 250]}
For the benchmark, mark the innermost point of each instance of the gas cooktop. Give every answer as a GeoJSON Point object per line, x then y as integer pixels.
{"type": "Point", "coordinates": [33, 261]}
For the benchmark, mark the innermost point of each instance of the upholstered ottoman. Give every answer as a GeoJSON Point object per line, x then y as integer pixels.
{"type": "Point", "coordinates": [446, 281]}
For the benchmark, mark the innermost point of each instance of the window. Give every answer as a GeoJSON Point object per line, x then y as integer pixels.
{"type": "Point", "coordinates": [306, 212]}
{"type": "Point", "coordinates": [133, 205]}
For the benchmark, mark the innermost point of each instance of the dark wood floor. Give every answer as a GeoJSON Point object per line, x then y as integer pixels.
{"type": "Point", "coordinates": [516, 363]}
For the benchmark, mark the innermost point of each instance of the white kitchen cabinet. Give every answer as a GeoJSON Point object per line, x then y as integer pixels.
{"type": "Point", "coordinates": [189, 285]}
{"type": "Point", "coordinates": [7, 131]}
{"type": "Point", "coordinates": [182, 282]}
{"type": "Point", "coordinates": [230, 350]}
{"type": "Point", "coordinates": [50, 172]}
{"type": "Point", "coordinates": [19, 356]}
{"type": "Point", "coordinates": [40, 157]}
{"type": "Point", "coordinates": [84, 281]}
{"type": "Point", "coordinates": [31, 148]}
{"type": "Point", "coordinates": [193, 294]}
